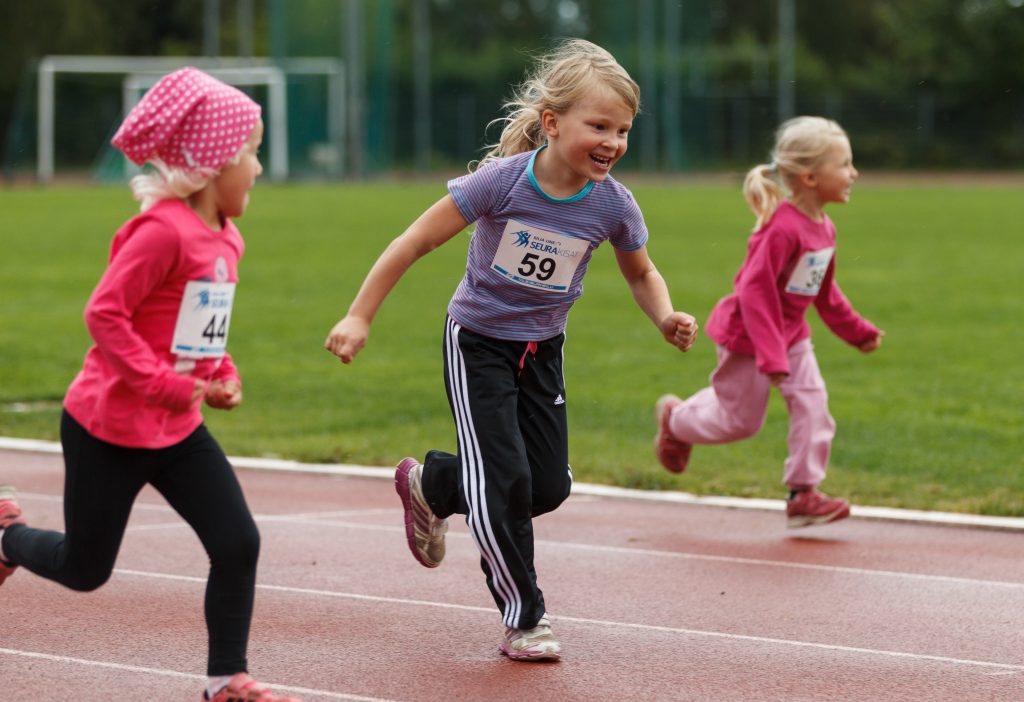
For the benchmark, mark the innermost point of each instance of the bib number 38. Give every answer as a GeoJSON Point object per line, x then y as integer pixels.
{"type": "Point", "coordinates": [809, 272]}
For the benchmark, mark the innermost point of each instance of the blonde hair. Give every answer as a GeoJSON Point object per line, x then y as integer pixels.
{"type": "Point", "coordinates": [800, 145]}
{"type": "Point", "coordinates": [172, 182]}
{"type": "Point", "coordinates": [558, 81]}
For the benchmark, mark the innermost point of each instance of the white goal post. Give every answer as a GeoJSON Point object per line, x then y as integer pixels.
{"type": "Point", "coordinates": [143, 71]}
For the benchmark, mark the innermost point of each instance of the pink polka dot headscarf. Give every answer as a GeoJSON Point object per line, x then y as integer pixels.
{"type": "Point", "coordinates": [188, 119]}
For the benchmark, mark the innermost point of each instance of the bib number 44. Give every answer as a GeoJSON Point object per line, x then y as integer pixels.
{"type": "Point", "coordinates": [203, 320]}
{"type": "Point", "coordinates": [216, 331]}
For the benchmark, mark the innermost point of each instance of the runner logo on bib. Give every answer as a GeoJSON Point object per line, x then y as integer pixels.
{"type": "Point", "coordinates": [809, 272]}
{"type": "Point", "coordinates": [538, 259]}
{"type": "Point", "coordinates": [203, 320]}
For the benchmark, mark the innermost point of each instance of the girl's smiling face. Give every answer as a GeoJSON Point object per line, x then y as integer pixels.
{"type": "Point", "coordinates": [589, 138]}
{"type": "Point", "coordinates": [835, 174]}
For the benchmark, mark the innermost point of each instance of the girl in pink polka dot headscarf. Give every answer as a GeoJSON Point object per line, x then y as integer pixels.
{"type": "Point", "coordinates": [188, 127]}
{"type": "Point", "coordinates": [159, 319]}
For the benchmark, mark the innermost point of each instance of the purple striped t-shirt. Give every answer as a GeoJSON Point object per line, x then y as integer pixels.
{"type": "Point", "coordinates": [529, 251]}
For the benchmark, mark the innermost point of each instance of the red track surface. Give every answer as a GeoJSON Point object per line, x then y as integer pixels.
{"type": "Point", "coordinates": [651, 601]}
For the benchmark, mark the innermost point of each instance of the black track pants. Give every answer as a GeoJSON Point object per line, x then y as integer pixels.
{"type": "Point", "coordinates": [508, 401]}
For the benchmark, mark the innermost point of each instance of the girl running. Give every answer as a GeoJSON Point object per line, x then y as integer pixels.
{"type": "Point", "coordinates": [542, 201]}
{"type": "Point", "coordinates": [159, 318]}
{"type": "Point", "coordinates": [760, 331]}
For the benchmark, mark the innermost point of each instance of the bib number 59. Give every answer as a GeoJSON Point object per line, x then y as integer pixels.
{"type": "Point", "coordinates": [533, 265]}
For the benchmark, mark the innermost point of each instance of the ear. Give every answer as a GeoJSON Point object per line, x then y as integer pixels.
{"type": "Point", "coordinates": [549, 123]}
{"type": "Point", "coordinates": [808, 180]}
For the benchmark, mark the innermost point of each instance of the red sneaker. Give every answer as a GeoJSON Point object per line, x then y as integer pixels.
{"type": "Point", "coordinates": [10, 513]}
{"type": "Point", "coordinates": [672, 453]}
{"type": "Point", "coordinates": [812, 507]}
{"type": "Point", "coordinates": [242, 688]}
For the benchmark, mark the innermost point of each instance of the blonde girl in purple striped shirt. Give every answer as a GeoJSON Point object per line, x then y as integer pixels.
{"type": "Point", "coordinates": [542, 201]}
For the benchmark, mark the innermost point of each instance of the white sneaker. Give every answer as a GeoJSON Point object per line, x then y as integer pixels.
{"type": "Point", "coordinates": [423, 531]}
{"type": "Point", "coordinates": [536, 644]}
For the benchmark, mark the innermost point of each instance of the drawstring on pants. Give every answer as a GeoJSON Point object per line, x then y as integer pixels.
{"type": "Point", "coordinates": [531, 348]}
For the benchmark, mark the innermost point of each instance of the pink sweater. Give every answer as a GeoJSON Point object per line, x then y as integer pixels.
{"type": "Point", "coordinates": [790, 264]}
{"type": "Point", "coordinates": [129, 392]}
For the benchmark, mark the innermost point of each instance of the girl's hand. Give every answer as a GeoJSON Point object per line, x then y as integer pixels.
{"type": "Point", "coordinates": [224, 394]}
{"type": "Point", "coordinates": [347, 338]}
{"type": "Point", "coordinates": [680, 330]}
{"type": "Point", "coordinates": [872, 344]}
{"type": "Point", "coordinates": [777, 378]}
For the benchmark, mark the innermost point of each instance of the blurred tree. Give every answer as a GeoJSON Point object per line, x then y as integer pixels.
{"type": "Point", "coordinates": [923, 83]}
{"type": "Point", "coordinates": [31, 30]}
{"type": "Point", "coordinates": [971, 48]}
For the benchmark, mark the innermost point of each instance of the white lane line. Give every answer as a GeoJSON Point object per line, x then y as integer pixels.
{"type": "Point", "coordinates": [710, 558]}
{"type": "Point", "coordinates": [324, 519]}
{"type": "Point", "coordinates": [177, 674]}
{"type": "Point", "coordinates": [1004, 668]}
{"type": "Point", "coordinates": [152, 507]}
{"type": "Point", "coordinates": [42, 497]}
{"type": "Point", "coordinates": [620, 550]}
{"type": "Point", "coordinates": [304, 518]}
{"type": "Point", "coordinates": [672, 496]}
{"type": "Point", "coordinates": [1008, 667]}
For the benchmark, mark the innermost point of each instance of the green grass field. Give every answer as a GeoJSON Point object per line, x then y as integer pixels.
{"type": "Point", "coordinates": [931, 421]}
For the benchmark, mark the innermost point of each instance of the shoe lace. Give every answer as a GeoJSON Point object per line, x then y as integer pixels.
{"type": "Point", "coordinates": [538, 633]}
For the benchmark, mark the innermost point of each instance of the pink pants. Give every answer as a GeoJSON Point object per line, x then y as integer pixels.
{"type": "Point", "coordinates": [735, 405]}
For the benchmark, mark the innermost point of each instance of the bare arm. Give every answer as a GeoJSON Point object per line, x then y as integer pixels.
{"type": "Point", "coordinates": [438, 224]}
{"type": "Point", "coordinates": [651, 294]}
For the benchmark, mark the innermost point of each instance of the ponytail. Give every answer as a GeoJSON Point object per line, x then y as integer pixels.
{"type": "Point", "coordinates": [762, 192]}
{"type": "Point", "coordinates": [165, 182]}
{"type": "Point", "coordinates": [170, 182]}
{"type": "Point", "coordinates": [800, 145]}
{"type": "Point", "coordinates": [522, 132]}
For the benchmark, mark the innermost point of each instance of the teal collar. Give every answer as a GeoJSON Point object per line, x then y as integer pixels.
{"type": "Point", "coordinates": [536, 186]}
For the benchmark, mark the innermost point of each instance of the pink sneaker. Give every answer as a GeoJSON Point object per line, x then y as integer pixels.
{"type": "Point", "coordinates": [10, 513]}
{"type": "Point", "coordinates": [672, 453]}
{"type": "Point", "coordinates": [424, 532]}
{"type": "Point", "coordinates": [809, 507]}
{"type": "Point", "coordinates": [242, 688]}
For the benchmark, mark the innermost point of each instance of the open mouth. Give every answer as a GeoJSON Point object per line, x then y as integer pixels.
{"type": "Point", "coordinates": [601, 161]}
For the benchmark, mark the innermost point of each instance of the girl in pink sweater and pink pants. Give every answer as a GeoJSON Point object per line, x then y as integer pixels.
{"type": "Point", "coordinates": [760, 331]}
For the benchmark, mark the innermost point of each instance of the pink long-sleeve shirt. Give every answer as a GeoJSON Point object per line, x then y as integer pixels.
{"type": "Point", "coordinates": [790, 264]}
{"type": "Point", "coordinates": [132, 389]}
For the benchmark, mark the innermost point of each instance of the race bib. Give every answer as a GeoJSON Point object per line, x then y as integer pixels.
{"type": "Point", "coordinates": [809, 272]}
{"type": "Point", "coordinates": [203, 320]}
{"type": "Point", "coordinates": [538, 259]}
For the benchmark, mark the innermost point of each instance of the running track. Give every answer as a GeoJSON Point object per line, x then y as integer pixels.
{"type": "Point", "coordinates": [652, 600]}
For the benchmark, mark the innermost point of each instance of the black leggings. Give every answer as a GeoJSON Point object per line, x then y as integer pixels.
{"type": "Point", "coordinates": [101, 483]}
